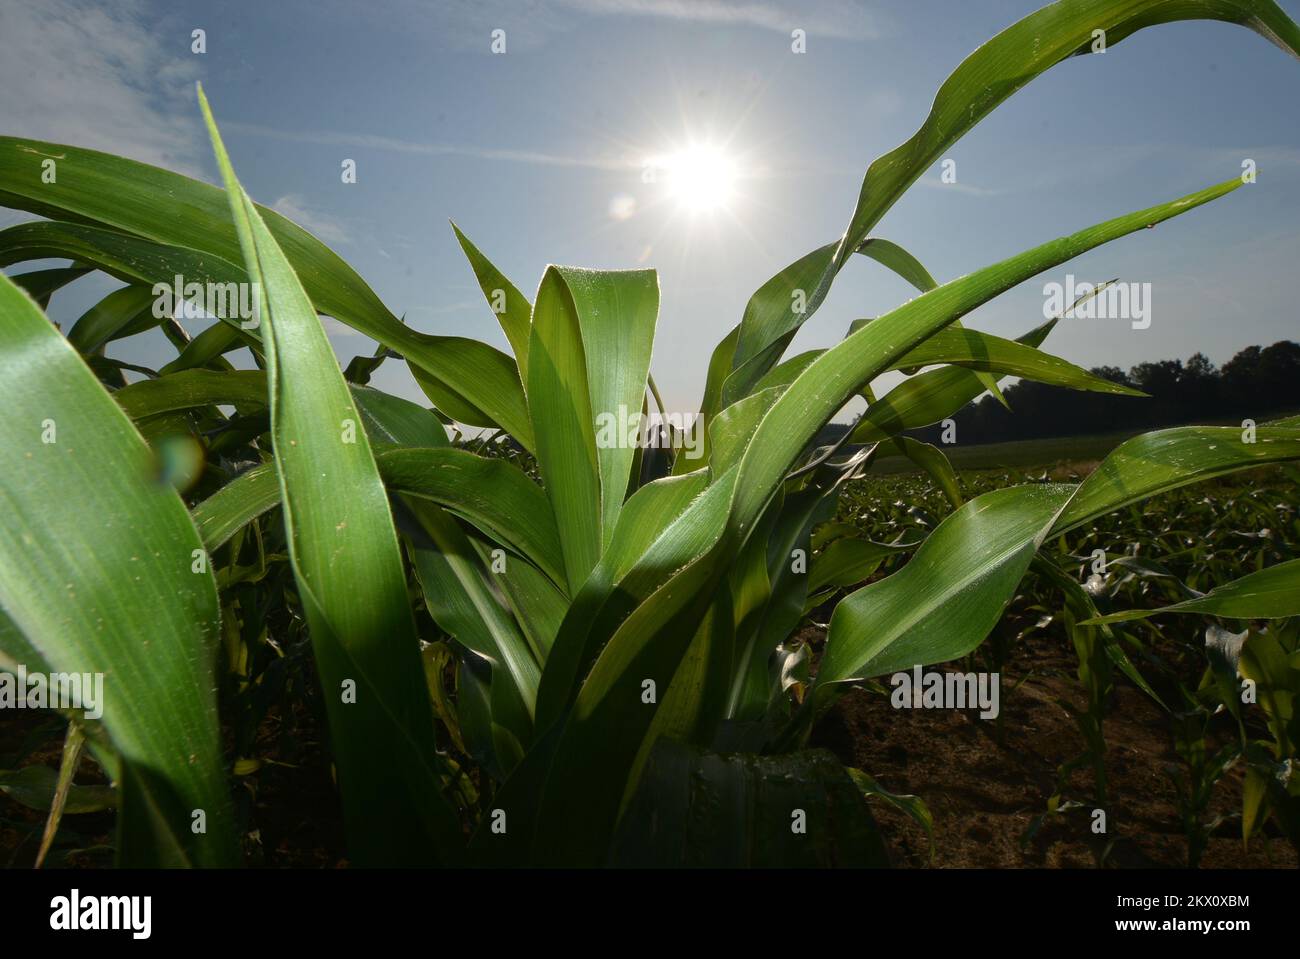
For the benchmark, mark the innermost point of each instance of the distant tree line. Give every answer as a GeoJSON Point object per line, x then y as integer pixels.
{"type": "Point", "coordinates": [1253, 384]}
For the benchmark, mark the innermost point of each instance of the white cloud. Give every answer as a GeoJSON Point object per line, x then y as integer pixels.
{"type": "Point", "coordinates": [966, 189]}
{"type": "Point", "coordinates": [73, 72]}
{"type": "Point", "coordinates": [530, 24]}
{"type": "Point", "coordinates": [395, 145]}
{"type": "Point", "coordinates": [835, 18]}
{"type": "Point", "coordinates": [325, 227]}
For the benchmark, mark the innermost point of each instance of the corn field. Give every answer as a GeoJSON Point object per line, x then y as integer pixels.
{"type": "Point", "coordinates": [535, 640]}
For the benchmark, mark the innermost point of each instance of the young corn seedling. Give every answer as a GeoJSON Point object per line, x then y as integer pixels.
{"type": "Point", "coordinates": [620, 620]}
{"type": "Point", "coordinates": [1202, 768]}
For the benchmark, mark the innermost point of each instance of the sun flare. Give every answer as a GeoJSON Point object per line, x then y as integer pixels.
{"type": "Point", "coordinates": [700, 178]}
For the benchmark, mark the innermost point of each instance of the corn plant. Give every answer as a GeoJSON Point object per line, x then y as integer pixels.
{"type": "Point", "coordinates": [1258, 668]}
{"type": "Point", "coordinates": [602, 632]}
{"type": "Point", "coordinates": [1202, 769]}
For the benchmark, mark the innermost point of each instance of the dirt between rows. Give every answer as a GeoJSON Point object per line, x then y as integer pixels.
{"type": "Point", "coordinates": [985, 785]}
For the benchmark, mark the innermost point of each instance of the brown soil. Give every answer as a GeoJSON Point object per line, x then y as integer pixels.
{"type": "Point", "coordinates": [290, 806]}
{"type": "Point", "coordinates": [288, 809]}
{"type": "Point", "coordinates": [985, 785]}
{"type": "Point", "coordinates": [984, 782]}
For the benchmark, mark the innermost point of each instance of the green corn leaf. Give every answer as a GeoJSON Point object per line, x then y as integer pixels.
{"type": "Point", "coordinates": [494, 400]}
{"type": "Point", "coordinates": [895, 258]}
{"type": "Point", "coordinates": [702, 809]}
{"type": "Point", "coordinates": [993, 354]}
{"type": "Point", "coordinates": [1271, 593]}
{"type": "Point", "coordinates": [101, 571]}
{"type": "Point", "coordinates": [388, 419]}
{"type": "Point", "coordinates": [539, 605]}
{"type": "Point", "coordinates": [391, 419]}
{"type": "Point", "coordinates": [927, 398]}
{"type": "Point", "coordinates": [36, 787]}
{"type": "Point", "coordinates": [564, 425]}
{"type": "Point", "coordinates": [491, 494]}
{"type": "Point", "coordinates": [911, 806]}
{"type": "Point", "coordinates": [508, 305]}
{"type": "Point", "coordinates": [193, 388]}
{"type": "Point", "coordinates": [980, 83]}
{"type": "Point", "coordinates": [73, 742]}
{"type": "Point", "coordinates": [344, 553]}
{"type": "Point", "coordinates": [482, 702]}
{"type": "Point", "coordinates": [1167, 459]}
{"type": "Point", "coordinates": [608, 722]}
{"type": "Point", "coordinates": [827, 533]}
{"type": "Point", "coordinates": [129, 258]}
{"type": "Point", "coordinates": [982, 353]}
{"type": "Point", "coordinates": [784, 373]}
{"type": "Point", "coordinates": [616, 313]}
{"type": "Point", "coordinates": [209, 347]}
{"type": "Point", "coordinates": [750, 586]}
{"type": "Point", "coordinates": [772, 317]}
{"type": "Point", "coordinates": [711, 403]}
{"type": "Point", "coordinates": [235, 505]}
{"type": "Point", "coordinates": [1016, 56]}
{"type": "Point", "coordinates": [782, 589]}
{"type": "Point", "coordinates": [43, 284]}
{"type": "Point", "coordinates": [589, 774]}
{"type": "Point", "coordinates": [461, 601]}
{"type": "Point", "coordinates": [628, 578]}
{"type": "Point", "coordinates": [849, 560]}
{"type": "Point", "coordinates": [103, 321]}
{"type": "Point", "coordinates": [1269, 659]}
{"type": "Point", "coordinates": [932, 459]}
{"type": "Point", "coordinates": [587, 366]}
{"type": "Point", "coordinates": [165, 213]}
{"type": "Point", "coordinates": [692, 705]}
{"type": "Point", "coordinates": [657, 515]}
{"type": "Point", "coordinates": [836, 375]}
{"type": "Point", "coordinates": [1080, 606]}
{"type": "Point", "coordinates": [730, 431]}
{"type": "Point", "coordinates": [139, 262]}
{"type": "Point", "coordinates": [949, 596]}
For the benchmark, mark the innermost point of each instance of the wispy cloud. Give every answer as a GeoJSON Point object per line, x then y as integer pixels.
{"type": "Point", "coordinates": [370, 142]}
{"type": "Point", "coordinates": [1266, 158]}
{"type": "Point", "coordinates": [74, 72]}
{"type": "Point", "coordinates": [966, 189]}
{"type": "Point", "coordinates": [1070, 169]}
{"type": "Point", "coordinates": [461, 306]}
{"type": "Point", "coordinates": [836, 18]}
{"type": "Point", "coordinates": [530, 24]}
{"type": "Point", "coordinates": [294, 206]}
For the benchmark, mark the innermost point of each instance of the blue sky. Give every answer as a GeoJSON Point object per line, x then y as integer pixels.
{"type": "Point", "coordinates": [527, 152]}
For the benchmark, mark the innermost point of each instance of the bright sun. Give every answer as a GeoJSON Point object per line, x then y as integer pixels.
{"type": "Point", "coordinates": [700, 178]}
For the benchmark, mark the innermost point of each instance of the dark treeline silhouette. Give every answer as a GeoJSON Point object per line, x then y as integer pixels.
{"type": "Point", "coordinates": [1254, 383]}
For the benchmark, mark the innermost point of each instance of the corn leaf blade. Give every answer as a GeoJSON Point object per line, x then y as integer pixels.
{"type": "Point", "coordinates": [344, 552]}
{"type": "Point", "coordinates": [79, 512]}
